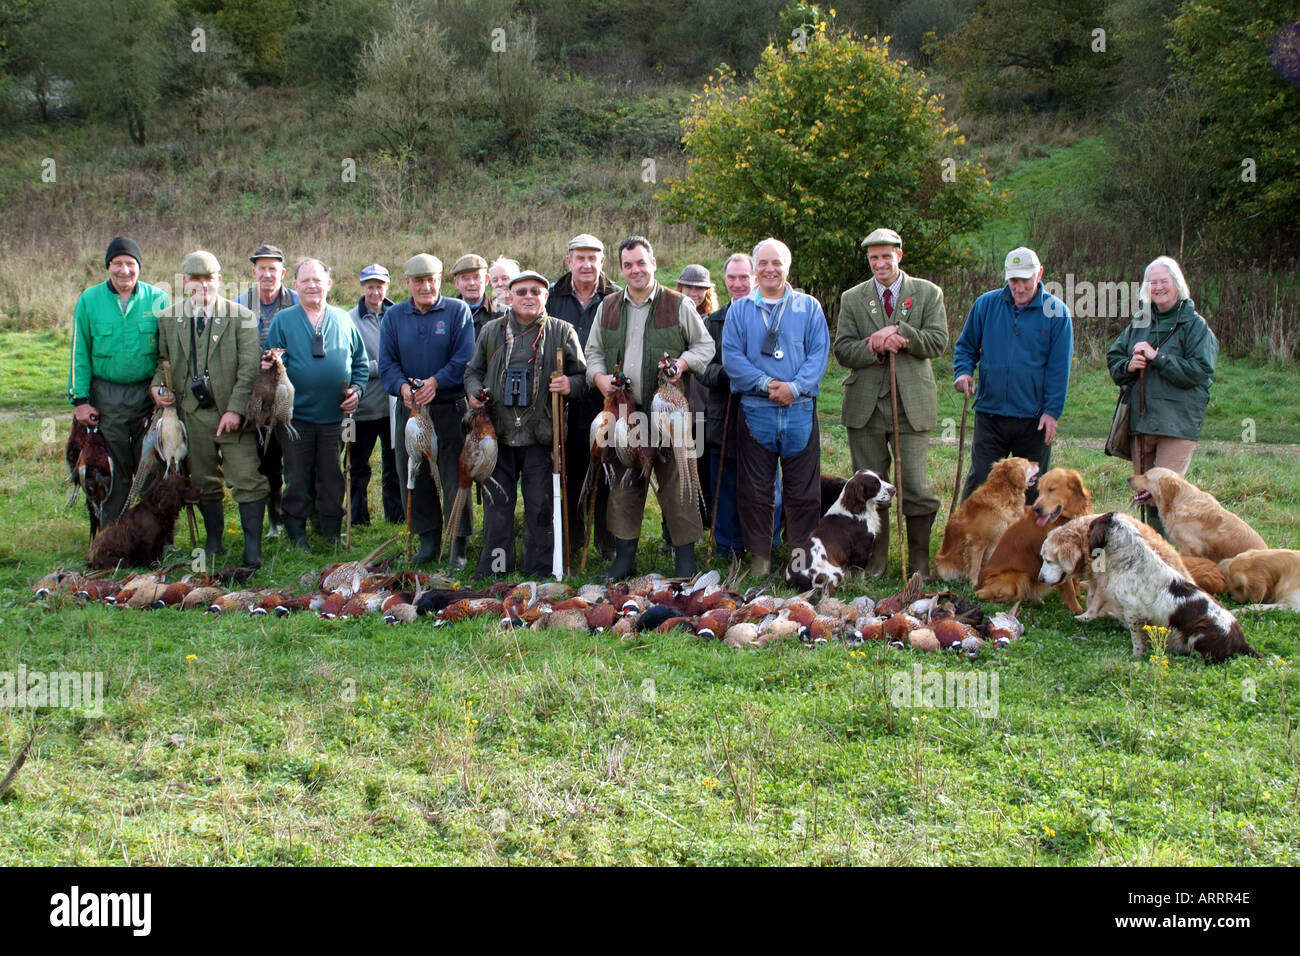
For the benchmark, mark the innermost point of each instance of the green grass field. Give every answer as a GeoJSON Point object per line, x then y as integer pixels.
{"type": "Point", "coordinates": [296, 740]}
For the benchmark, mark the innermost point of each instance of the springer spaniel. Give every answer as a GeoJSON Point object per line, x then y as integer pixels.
{"type": "Point", "coordinates": [844, 536]}
{"type": "Point", "coordinates": [1146, 590]}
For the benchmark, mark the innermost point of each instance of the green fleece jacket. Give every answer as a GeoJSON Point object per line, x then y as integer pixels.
{"type": "Point", "coordinates": [1177, 382]}
{"type": "Point", "coordinates": [111, 342]}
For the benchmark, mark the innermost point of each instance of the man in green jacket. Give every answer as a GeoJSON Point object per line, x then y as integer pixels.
{"type": "Point", "coordinates": [521, 346]}
{"type": "Point", "coordinates": [893, 315]}
{"type": "Point", "coordinates": [211, 346]}
{"type": "Point", "coordinates": [114, 352]}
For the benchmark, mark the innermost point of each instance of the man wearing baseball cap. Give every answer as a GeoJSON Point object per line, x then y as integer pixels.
{"type": "Point", "coordinates": [514, 359]}
{"type": "Point", "coordinates": [470, 276]}
{"type": "Point", "coordinates": [893, 314]}
{"type": "Point", "coordinates": [575, 297]}
{"type": "Point", "coordinates": [372, 415]}
{"type": "Point", "coordinates": [268, 297]}
{"type": "Point", "coordinates": [1022, 339]}
{"type": "Point", "coordinates": [114, 353]}
{"type": "Point", "coordinates": [424, 345]}
{"type": "Point", "coordinates": [212, 350]}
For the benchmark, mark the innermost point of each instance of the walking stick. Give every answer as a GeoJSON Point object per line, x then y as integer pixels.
{"type": "Point", "coordinates": [557, 485]}
{"type": "Point", "coordinates": [1136, 444]}
{"type": "Point", "coordinates": [898, 458]}
{"type": "Point", "coordinates": [961, 446]}
{"type": "Point", "coordinates": [349, 428]}
{"type": "Point", "coordinates": [717, 484]}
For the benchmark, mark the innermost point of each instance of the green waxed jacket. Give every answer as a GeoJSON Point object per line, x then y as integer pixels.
{"type": "Point", "coordinates": [112, 344]}
{"type": "Point", "coordinates": [922, 320]}
{"type": "Point", "coordinates": [228, 346]}
{"type": "Point", "coordinates": [1177, 382]}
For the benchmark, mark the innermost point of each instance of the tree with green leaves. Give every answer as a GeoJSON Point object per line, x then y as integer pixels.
{"type": "Point", "coordinates": [830, 140]}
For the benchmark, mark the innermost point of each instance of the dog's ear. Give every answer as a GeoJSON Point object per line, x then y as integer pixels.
{"type": "Point", "coordinates": [1098, 530]}
{"type": "Point", "coordinates": [1169, 486]}
{"type": "Point", "coordinates": [854, 497]}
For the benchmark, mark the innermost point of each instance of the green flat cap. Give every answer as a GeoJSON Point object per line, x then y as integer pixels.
{"type": "Point", "coordinates": [422, 265]}
{"type": "Point", "coordinates": [201, 263]}
{"type": "Point", "coordinates": [468, 263]}
{"type": "Point", "coordinates": [883, 237]}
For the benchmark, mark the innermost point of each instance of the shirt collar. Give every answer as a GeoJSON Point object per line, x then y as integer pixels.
{"type": "Point", "coordinates": [894, 288]}
{"type": "Point", "coordinates": [756, 295]}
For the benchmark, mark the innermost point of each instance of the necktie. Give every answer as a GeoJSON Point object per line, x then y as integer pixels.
{"type": "Point", "coordinates": [199, 323]}
{"type": "Point", "coordinates": [889, 303]}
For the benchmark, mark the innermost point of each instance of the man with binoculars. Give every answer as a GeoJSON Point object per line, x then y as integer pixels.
{"type": "Point", "coordinates": [211, 344]}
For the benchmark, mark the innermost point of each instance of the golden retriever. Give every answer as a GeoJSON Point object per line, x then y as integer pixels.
{"type": "Point", "coordinates": [1267, 577]}
{"type": "Point", "coordinates": [1198, 525]}
{"type": "Point", "coordinates": [1012, 571]}
{"type": "Point", "coordinates": [1065, 555]}
{"type": "Point", "coordinates": [974, 529]}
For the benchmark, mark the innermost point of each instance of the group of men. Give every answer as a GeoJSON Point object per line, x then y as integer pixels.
{"type": "Point", "coordinates": [359, 376]}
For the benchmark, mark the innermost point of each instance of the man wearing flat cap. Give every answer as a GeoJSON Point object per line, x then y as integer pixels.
{"type": "Point", "coordinates": [575, 297]}
{"type": "Point", "coordinates": [267, 298]}
{"type": "Point", "coordinates": [373, 422]}
{"type": "Point", "coordinates": [424, 346]}
{"type": "Point", "coordinates": [893, 314]}
{"type": "Point", "coordinates": [1022, 339]}
{"type": "Point", "coordinates": [211, 350]}
{"type": "Point", "coordinates": [114, 353]}
{"type": "Point", "coordinates": [514, 359]}
{"type": "Point", "coordinates": [470, 276]}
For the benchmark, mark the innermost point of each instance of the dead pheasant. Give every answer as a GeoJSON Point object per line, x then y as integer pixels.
{"type": "Point", "coordinates": [613, 437]}
{"type": "Point", "coordinates": [671, 414]}
{"type": "Point", "coordinates": [90, 468]}
{"type": "Point", "coordinates": [478, 459]}
{"type": "Point", "coordinates": [271, 403]}
{"type": "Point", "coordinates": [166, 443]}
{"type": "Point", "coordinates": [347, 578]}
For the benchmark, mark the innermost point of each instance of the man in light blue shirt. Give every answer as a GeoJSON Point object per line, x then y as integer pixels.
{"type": "Point", "coordinates": [775, 346]}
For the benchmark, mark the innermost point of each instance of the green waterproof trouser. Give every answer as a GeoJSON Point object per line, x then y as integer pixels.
{"type": "Point", "coordinates": [124, 412]}
{"type": "Point", "coordinates": [233, 457]}
{"type": "Point", "coordinates": [870, 448]}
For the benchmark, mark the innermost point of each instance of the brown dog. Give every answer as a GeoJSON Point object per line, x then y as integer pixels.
{"type": "Point", "coordinates": [141, 535]}
{"type": "Point", "coordinates": [1013, 568]}
{"type": "Point", "coordinates": [1196, 522]}
{"type": "Point", "coordinates": [1270, 577]}
{"type": "Point", "coordinates": [974, 529]}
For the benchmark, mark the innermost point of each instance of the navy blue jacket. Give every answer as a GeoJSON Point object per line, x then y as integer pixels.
{"type": "Point", "coordinates": [435, 344]}
{"type": "Point", "coordinates": [1024, 358]}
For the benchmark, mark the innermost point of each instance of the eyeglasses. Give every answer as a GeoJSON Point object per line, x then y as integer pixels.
{"type": "Point", "coordinates": [528, 292]}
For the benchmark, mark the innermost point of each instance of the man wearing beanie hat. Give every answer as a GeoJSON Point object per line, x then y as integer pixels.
{"type": "Point", "coordinates": [1022, 339]}
{"type": "Point", "coordinates": [214, 341]}
{"type": "Point", "coordinates": [114, 353]}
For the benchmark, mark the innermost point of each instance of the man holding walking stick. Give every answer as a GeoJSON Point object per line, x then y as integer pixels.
{"type": "Point", "coordinates": [515, 360]}
{"type": "Point", "coordinates": [893, 322]}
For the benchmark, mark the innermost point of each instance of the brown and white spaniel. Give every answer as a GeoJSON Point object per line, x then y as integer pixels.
{"type": "Point", "coordinates": [844, 536]}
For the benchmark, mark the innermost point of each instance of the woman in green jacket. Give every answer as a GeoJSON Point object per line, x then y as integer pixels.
{"type": "Point", "coordinates": [1170, 348]}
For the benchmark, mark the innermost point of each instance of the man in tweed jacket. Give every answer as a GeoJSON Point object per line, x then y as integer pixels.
{"type": "Point", "coordinates": [893, 313]}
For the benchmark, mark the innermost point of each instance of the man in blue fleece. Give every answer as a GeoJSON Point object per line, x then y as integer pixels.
{"type": "Point", "coordinates": [429, 339]}
{"type": "Point", "coordinates": [775, 346]}
{"type": "Point", "coordinates": [1023, 340]}
{"type": "Point", "coordinates": [326, 360]}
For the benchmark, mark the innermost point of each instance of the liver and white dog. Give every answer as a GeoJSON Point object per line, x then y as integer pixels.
{"type": "Point", "coordinates": [843, 537]}
{"type": "Point", "coordinates": [1146, 590]}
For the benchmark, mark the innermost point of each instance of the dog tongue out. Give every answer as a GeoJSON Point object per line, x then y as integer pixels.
{"type": "Point", "coordinates": [1044, 520]}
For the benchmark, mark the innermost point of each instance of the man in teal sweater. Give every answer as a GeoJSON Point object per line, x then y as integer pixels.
{"type": "Point", "coordinates": [326, 361]}
{"type": "Point", "coordinates": [114, 352]}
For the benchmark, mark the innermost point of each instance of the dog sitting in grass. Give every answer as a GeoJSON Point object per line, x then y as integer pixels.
{"type": "Point", "coordinates": [976, 527]}
{"type": "Point", "coordinates": [139, 537]}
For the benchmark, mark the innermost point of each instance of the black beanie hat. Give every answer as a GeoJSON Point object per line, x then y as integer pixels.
{"type": "Point", "coordinates": [122, 246]}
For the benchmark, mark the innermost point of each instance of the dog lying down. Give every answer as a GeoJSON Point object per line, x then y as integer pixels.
{"type": "Point", "coordinates": [975, 528]}
{"type": "Point", "coordinates": [1268, 577]}
{"type": "Point", "coordinates": [1065, 555]}
{"type": "Point", "coordinates": [141, 535]}
{"type": "Point", "coordinates": [1145, 590]}
{"type": "Point", "coordinates": [1196, 522]}
{"type": "Point", "coordinates": [844, 536]}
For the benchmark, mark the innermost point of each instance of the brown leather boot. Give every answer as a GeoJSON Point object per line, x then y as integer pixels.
{"type": "Point", "coordinates": [880, 548]}
{"type": "Point", "coordinates": [918, 544]}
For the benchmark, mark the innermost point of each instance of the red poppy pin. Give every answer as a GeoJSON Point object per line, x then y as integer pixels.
{"type": "Point", "coordinates": [907, 303]}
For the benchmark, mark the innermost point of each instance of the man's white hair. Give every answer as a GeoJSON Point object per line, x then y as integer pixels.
{"type": "Point", "coordinates": [1144, 295]}
{"type": "Point", "coordinates": [782, 250]}
{"type": "Point", "coordinates": [510, 265]}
